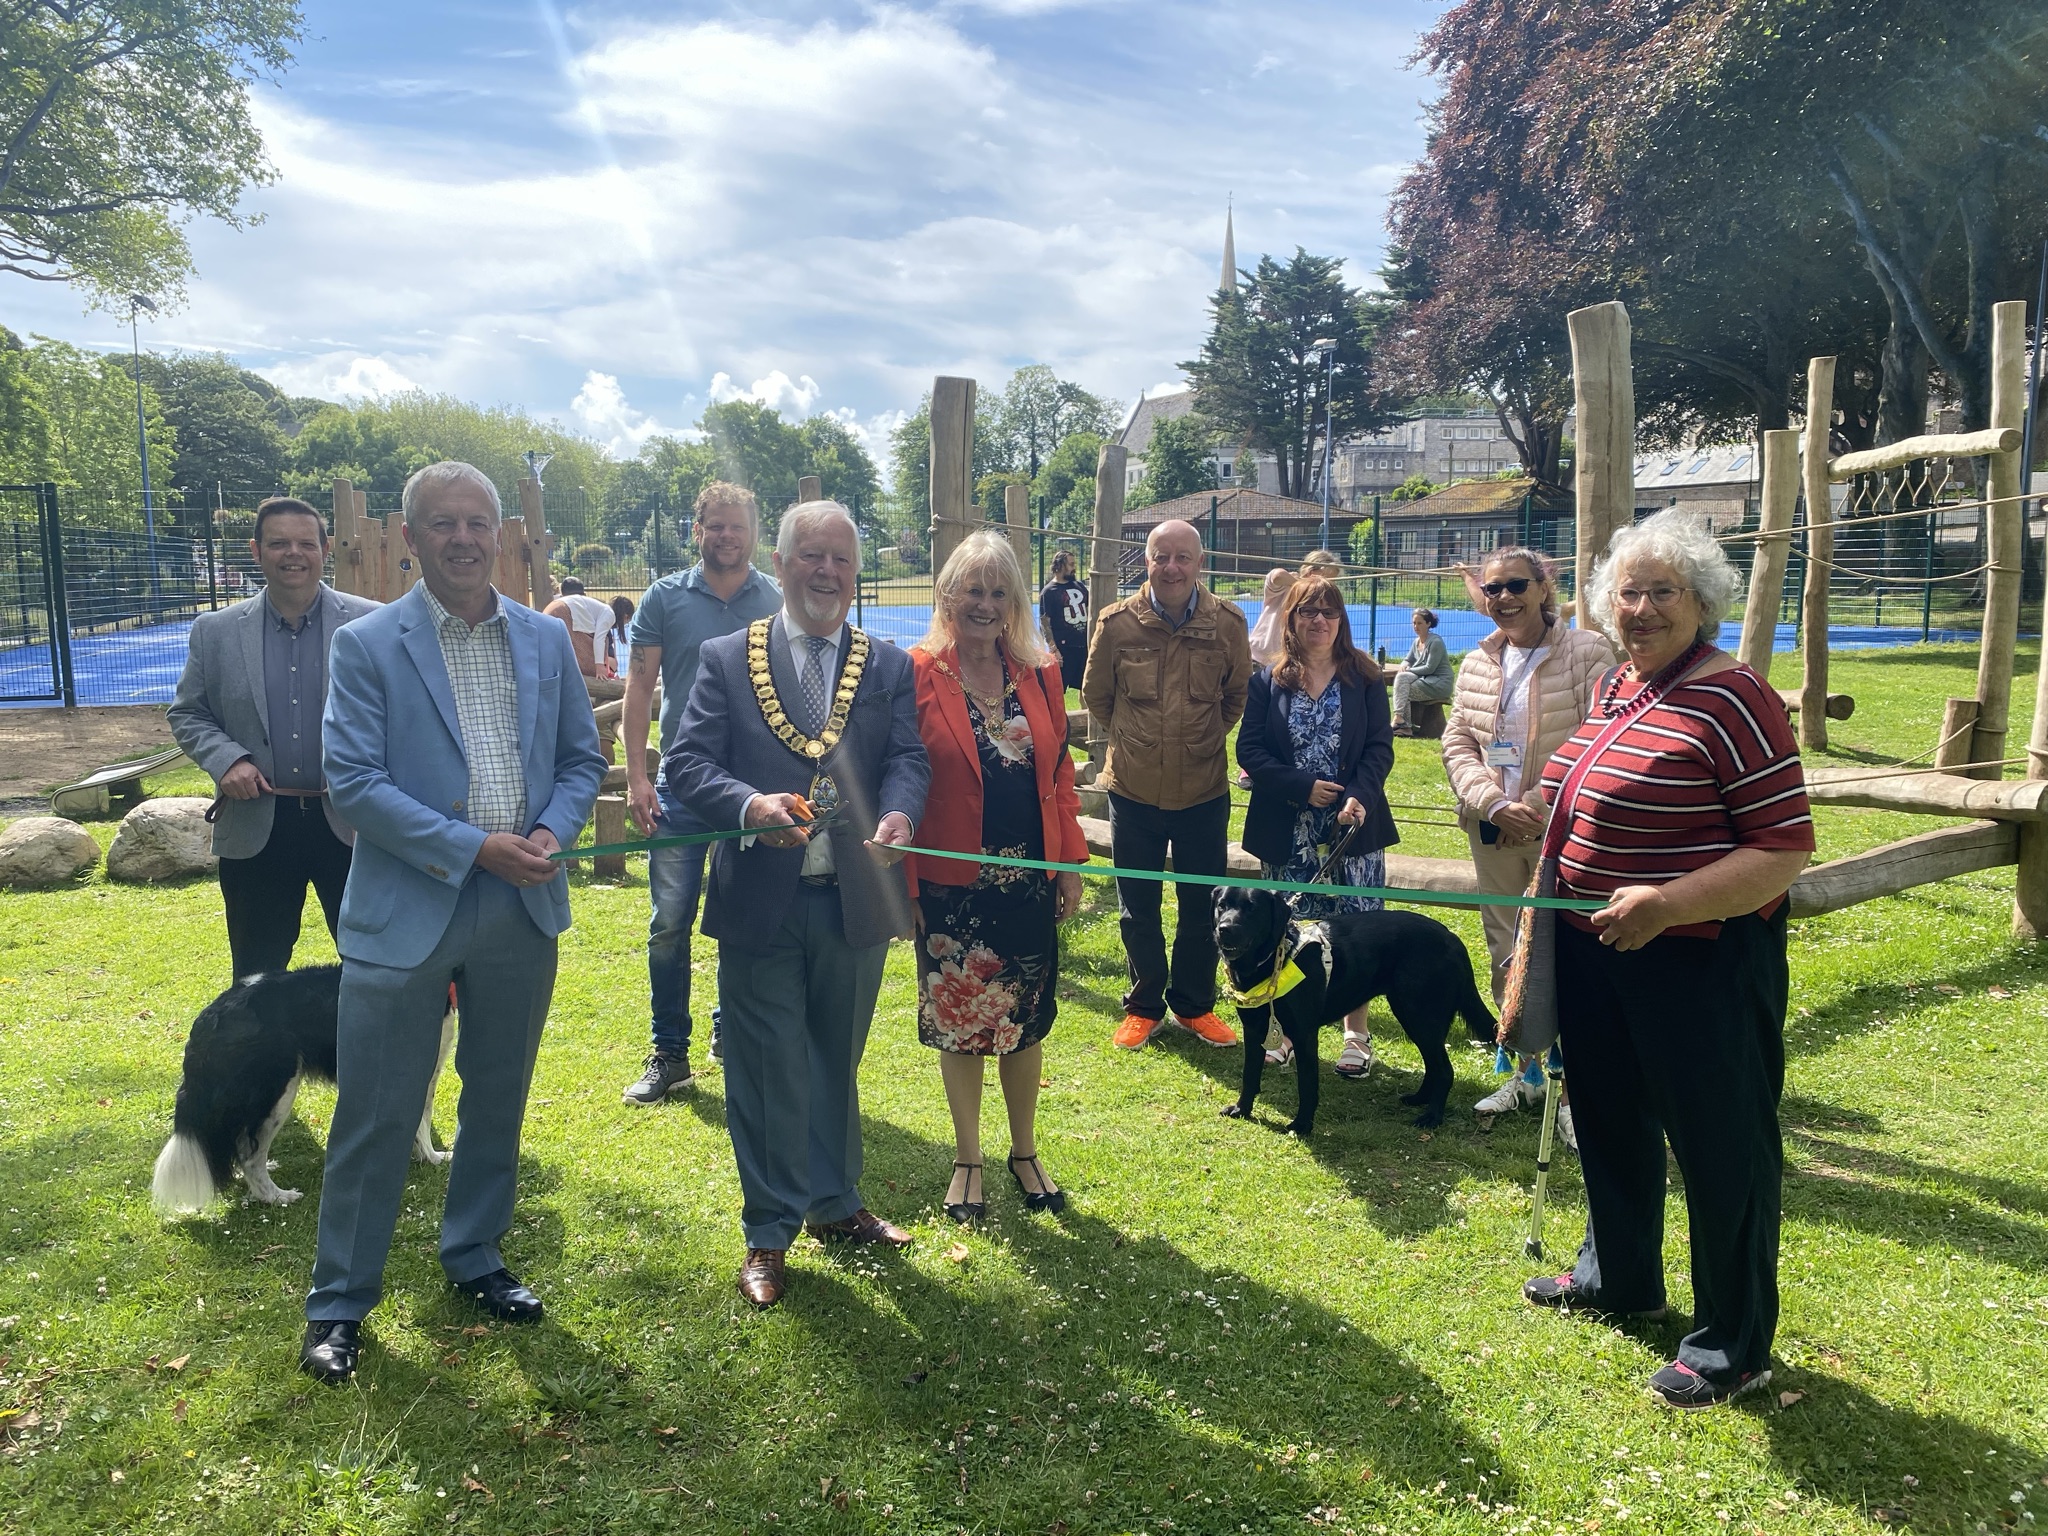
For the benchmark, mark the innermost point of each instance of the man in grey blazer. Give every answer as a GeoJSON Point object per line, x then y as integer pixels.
{"type": "Point", "coordinates": [461, 747]}
{"type": "Point", "coordinates": [792, 709]}
{"type": "Point", "coordinates": [248, 712]}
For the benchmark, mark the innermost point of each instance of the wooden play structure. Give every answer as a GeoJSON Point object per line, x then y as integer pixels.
{"type": "Point", "coordinates": [371, 559]}
{"type": "Point", "coordinates": [1988, 820]}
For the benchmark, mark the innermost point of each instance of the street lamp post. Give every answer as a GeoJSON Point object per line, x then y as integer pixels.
{"type": "Point", "coordinates": [137, 302]}
{"type": "Point", "coordinates": [1328, 349]}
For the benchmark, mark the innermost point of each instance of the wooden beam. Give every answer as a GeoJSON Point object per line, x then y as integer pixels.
{"type": "Point", "coordinates": [809, 488]}
{"type": "Point", "coordinates": [1900, 866]}
{"type": "Point", "coordinates": [2030, 884]}
{"type": "Point", "coordinates": [1603, 386]}
{"type": "Point", "coordinates": [511, 574]}
{"type": "Point", "coordinates": [348, 540]}
{"type": "Point", "coordinates": [1102, 559]}
{"type": "Point", "coordinates": [1910, 450]}
{"type": "Point", "coordinates": [1841, 706]}
{"type": "Point", "coordinates": [1820, 550]}
{"type": "Point", "coordinates": [1773, 544]}
{"type": "Point", "coordinates": [1930, 794]}
{"type": "Point", "coordinates": [2005, 532]}
{"type": "Point", "coordinates": [952, 490]}
{"type": "Point", "coordinates": [1017, 514]}
{"type": "Point", "coordinates": [535, 545]}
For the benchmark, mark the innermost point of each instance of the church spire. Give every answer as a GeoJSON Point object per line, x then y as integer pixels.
{"type": "Point", "coordinates": [1229, 283]}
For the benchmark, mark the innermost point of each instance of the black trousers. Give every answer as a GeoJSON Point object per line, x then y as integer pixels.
{"type": "Point", "coordinates": [265, 895]}
{"type": "Point", "coordinates": [1140, 837]}
{"type": "Point", "coordinates": [1073, 660]}
{"type": "Point", "coordinates": [1683, 1038]}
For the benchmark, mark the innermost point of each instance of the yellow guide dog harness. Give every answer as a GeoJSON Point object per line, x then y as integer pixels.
{"type": "Point", "coordinates": [1287, 974]}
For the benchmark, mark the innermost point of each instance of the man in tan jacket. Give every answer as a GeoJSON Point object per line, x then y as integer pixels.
{"type": "Point", "coordinates": [1166, 677]}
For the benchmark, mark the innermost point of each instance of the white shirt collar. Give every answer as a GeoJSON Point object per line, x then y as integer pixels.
{"type": "Point", "coordinates": [800, 652]}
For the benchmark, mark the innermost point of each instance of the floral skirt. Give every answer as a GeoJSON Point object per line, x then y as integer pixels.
{"type": "Point", "coordinates": [988, 963]}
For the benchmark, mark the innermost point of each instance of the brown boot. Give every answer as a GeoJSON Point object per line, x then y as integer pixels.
{"type": "Point", "coordinates": [762, 1280]}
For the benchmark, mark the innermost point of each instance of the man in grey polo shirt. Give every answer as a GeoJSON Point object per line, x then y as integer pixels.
{"type": "Point", "coordinates": [247, 710]}
{"type": "Point", "coordinates": [718, 595]}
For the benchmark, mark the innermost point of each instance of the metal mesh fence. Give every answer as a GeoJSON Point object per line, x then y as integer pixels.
{"type": "Point", "coordinates": [1908, 564]}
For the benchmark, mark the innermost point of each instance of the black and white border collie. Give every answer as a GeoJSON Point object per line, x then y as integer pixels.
{"type": "Point", "coordinates": [244, 1060]}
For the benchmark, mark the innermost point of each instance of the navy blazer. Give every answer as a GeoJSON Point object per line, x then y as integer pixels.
{"type": "Point", "coordinates": [724, 754]}
{"type": "Point", "coordinates": [1265, 750]}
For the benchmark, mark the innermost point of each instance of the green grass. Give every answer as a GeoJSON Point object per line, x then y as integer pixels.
{"type": "Point", "coordinates": [1228, 1331]}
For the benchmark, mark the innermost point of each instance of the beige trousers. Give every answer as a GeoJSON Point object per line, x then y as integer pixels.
{"type": "Point", "coordinates": [1501, 872]}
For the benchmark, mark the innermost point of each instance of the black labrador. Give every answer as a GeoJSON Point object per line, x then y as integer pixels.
{"type": "Point", "coordinates": [1417, 964]}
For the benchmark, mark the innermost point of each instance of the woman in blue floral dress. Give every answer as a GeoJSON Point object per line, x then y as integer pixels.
{"type": "Point", "coordinates": [1318, 743]}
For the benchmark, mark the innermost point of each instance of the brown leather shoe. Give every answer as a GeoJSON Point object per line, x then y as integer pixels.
{"type": "Point", "coordinates": [863, 1226]}
{"type": "Point", "coordinates": [761, 1278]}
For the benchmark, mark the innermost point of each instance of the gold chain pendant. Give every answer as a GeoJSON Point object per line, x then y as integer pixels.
{"type": "Point", "coordinates": [763, 678]}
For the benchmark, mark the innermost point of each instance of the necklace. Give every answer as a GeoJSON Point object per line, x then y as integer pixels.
{"type": "Point", "coordinates": [763, 679]}
{"type": "Point", "coordinates": [1654, 688]}
{"type": "Point", "coordinates": [989, 704]}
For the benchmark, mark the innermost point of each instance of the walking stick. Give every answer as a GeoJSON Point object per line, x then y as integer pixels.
{"type": "Point", "coordinates": [1553, 1087]}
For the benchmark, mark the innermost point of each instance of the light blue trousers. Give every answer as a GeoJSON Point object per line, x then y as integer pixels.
{"type": "Point", "coordinates": [503, 969]}
{"type": "Point", "coordinates": [794, 1025]}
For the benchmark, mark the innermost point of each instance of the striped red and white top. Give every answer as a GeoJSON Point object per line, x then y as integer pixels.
{"type": "Point", "coordinates": [1709, 768]}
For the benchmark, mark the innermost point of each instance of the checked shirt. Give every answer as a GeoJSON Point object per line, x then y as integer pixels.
{"type": "Point", "coordinates": [486, 692]}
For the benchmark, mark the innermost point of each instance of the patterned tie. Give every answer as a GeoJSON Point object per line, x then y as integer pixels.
{"type": "Point", "coordinates": [812, 681]}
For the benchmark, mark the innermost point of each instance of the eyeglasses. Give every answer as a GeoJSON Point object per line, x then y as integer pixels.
{"type": "Point", "coordinates": [1305, 614]}
{"type": "Point", "coordinates": [1514, 586]}
{"type": "Point", "coordinates": [1657, 597]}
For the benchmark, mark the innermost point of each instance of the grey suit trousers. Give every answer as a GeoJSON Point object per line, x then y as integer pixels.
{"type": "Point", "coordinates": [503, 969]}
{"type": "Point", "coordinates": [795, 1021]}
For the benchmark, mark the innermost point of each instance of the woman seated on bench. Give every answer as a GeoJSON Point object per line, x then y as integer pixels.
{"type": "Point", "coordinates": [1425, 677]}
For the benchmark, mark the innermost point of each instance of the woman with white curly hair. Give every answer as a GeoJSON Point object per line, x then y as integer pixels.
{"type": "Point", "coordinates": [1680, 803]}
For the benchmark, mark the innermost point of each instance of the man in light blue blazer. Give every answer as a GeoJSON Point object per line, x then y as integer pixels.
{"type": "Point", "coordinates": [461, 747]}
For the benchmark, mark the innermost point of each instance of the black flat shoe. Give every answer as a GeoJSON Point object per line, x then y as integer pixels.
{"type": "Point", "coordinates": [501, 1295]}
{"type": "Point", "coordinates": [1045, 1197]}
{"type": "Point", "coordinates": [967, 1211]}
{"type": "Point", "coordinates": [330, 1349]}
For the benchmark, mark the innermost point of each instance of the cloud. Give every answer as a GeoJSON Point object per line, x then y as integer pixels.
{"type": "Point", "coordinates": [600, 411]}
{"type": "Point", "coordinates": [340, 376]}
{"type": "Point", "coordinates": [835, 210]}
{"type": "Point", "coordinates": [794, 401]}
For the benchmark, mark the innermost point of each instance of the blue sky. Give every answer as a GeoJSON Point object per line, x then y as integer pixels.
{"type": "Point", "coordinates": [614, 214]}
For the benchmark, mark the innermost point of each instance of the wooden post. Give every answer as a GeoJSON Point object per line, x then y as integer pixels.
{"type": "Point", "coordinates": [1017, 513]}
{"type": "Point", "coordinates": [1773, 544]}
{"type": "Point", "coordinates": [2005, 533]}
{"type": "Point", "coordinates": [809, 488]}
{"type": "Point", "coordinates": [609, 827]}
{"type": "Point", "coordinates": [952, 492]}
{"type": "Point", "coordinates": [534, 545]}
{"type": "Point", "coordinates": [348, 540]}
{"type": "Point", "coordinates": [1603, 386]}
{"type": "Point", "coordinates": [1820, 554]}
{"type": "Point", "coordinates": [1103, 556]}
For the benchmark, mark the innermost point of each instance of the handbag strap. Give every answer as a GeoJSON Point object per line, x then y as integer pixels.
{"type": "Point", "coordinates": [1555, 834]}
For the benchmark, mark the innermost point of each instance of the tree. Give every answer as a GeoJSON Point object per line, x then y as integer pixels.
{"type": "Point", "coordinates": [1260, 378]}
{"type": "Point", "coordinates": [362, 445]}
{"type": "Point", "coordinates": [24, 423]}
{"type": "Point", "coordinates": [1364, 546]}
{"type": "Point", "coordinates": [1039, 410]}
{"type": "Point", "coordinates": [910, 458]}
{"type": "Point", "coordinates": [836, 457]}
{"type": "Point", "coordinates": [1179, 460]}
{"type": "Point", "coordinates": [120, 120]}
{"type": "Point", "coordinates": [1065, 486]}
{"type": "Point", "coordinates": [227, 430]}
{"type": "Point", "coordinates": [88, 402]}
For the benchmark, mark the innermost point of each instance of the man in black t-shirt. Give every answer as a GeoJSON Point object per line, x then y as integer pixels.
{"type": "Point", "coordinates": [1063, 615]}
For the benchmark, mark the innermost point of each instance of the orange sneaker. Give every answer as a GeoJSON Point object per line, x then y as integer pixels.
{"type": "Point", "coordinates": [1135, 1030]}
{"type": "Point", "coordinates": [1209, 1029]}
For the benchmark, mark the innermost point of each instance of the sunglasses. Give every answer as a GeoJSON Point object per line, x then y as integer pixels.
{"type": "Point", "coordinates": [1316, 613]}
{"type": "Point", "coordinates": [1513, 587]}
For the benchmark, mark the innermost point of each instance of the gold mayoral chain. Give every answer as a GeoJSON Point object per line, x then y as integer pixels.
{"type": "Point", "coordinates": [763, 678]}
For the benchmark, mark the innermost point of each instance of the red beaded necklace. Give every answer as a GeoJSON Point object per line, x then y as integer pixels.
{"type": "Point", "coordinates": [1654, 688]}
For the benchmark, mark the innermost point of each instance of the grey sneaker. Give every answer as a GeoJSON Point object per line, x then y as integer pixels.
{"type": "Point", "coordinates": [665, 1075]}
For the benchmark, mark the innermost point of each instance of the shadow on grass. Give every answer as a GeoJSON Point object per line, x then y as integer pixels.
{"type": "Point", "coordinates": [1863, 1007]}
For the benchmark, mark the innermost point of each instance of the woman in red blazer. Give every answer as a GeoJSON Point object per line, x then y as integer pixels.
{"type": "Point", "coordinates": [992, 709]}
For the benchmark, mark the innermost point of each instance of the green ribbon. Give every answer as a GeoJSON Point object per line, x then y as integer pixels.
{"type": "Point", "coordinates": [683, 840]}
{"type": "Point", "coordinates": [1112, 871]}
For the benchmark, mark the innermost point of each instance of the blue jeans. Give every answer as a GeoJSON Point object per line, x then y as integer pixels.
{"type": "Point", "coordinates": [675, 879]}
